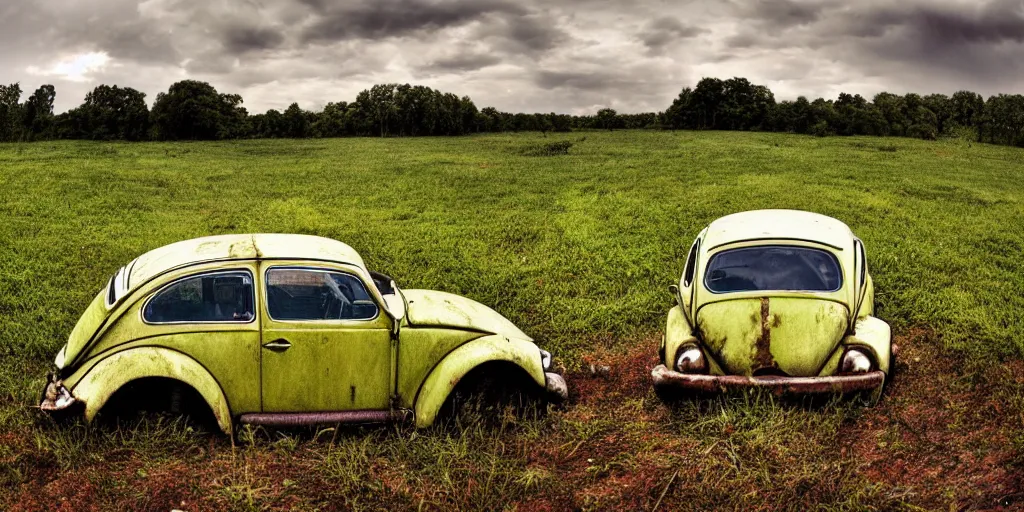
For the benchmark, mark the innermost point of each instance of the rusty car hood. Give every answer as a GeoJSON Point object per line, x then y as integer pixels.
{"type": "Point", "coordinates": [791, 335]}
{"type": "Point", "coordinates": [428, 308]}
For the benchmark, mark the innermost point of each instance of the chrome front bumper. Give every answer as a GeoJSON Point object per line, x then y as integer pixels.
{"type": "Point", "coordinates": [666, 380]}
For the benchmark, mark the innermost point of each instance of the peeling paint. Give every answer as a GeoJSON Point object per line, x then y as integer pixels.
{"type": "Point", "coordinates": [762, 348]}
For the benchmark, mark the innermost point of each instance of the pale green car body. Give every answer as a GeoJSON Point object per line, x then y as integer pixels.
{"type": "Point", "coordinates": [787, 340]}
{"type": "Point", "coordinates": [405, 361]}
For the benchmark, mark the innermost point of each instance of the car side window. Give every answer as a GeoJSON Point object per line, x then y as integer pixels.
{"type": "Point", "coordinates": [206, 298]}
{"type": "Point", "coordinates": [313, 294]}
{"type": "Point", "coordinates": [691, 264]}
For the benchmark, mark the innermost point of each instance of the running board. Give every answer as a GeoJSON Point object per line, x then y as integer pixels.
{"type": "Point", "coordinates": [296, 419]}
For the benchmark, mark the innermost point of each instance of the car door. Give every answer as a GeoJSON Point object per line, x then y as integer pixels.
{"type": "Point", "coordinates": [209, 314]}
{"type": "Point", "coordinates": [326, 342]}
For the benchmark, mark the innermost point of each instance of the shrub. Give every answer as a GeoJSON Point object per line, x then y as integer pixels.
{"type": "Point", "coordinates": [922, 131]}
{"type": "Point", "coordinates": [822, 129]}
{"type": "Point", "coordinates": [549, 149]}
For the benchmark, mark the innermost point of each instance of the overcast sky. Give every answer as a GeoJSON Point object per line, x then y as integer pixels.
{"type": "Point", "coordinates": [571, 56]}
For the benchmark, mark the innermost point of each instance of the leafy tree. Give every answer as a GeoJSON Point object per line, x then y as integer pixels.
{"type": "Point", "coordinates": [680, 114]}
{"type": "Point", "coordinates": [1003, 119]}
{"type": "Point", "coordinates": [942, 107]}
{"type": "Point", "coordinates": [10, 112]}
{"type": "Point", "coordinates": [855, 116]}
{"type": "Point", "coordinates": [380, 104]}
{"type": "Point", "coordinates": [607, 119]}
{"type": "Point", "coordinates": [193, 110]}
{"type": "Point", "coordinates": [469, 113]}
{"type": "Point", "coordinates": [108, 113]}
{"type": "Point", "coordinates": [296, 122]}
{"type": "Point", "coordinates": [734, 104]}
{"type": "Point", "coordinates": [803, 116]}
{"type": "Point", "coordinates": [825, 118]}
{"type": "Point", "coordinates": [270, 125]}
{"type": "Point", "coordinates": [924, 123]}
{"type": "Point", "coordinates": [491, 120]}
{"type": "Point", "coordinates": [893, 111]}
{"type": "Point", "coordinates": [707, 97]}
{"type": "Point", "coordinates": [37, 113]}
{"type": "Point", "coordinates": [333, 121]}
{"type": "Point", "coordinates": [966, 109]}
{"type": "Point", "coordinates": [743, 105]}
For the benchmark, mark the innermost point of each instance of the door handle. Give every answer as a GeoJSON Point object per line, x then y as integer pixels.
{"type": "Point", "coordinates": [278, 345]}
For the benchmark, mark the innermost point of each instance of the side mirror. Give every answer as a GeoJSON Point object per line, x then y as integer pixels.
{"type": "Point", "coordinates": [674, 290]}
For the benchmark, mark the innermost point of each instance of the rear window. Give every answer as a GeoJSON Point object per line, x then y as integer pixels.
{"type": "Point", "coordinates": [778, 268]}
{"type": "Point", "coordinates": [218, 297]}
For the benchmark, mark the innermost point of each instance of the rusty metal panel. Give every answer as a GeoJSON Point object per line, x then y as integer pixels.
{"type": "Point", "coordinates": [667, 379]}
{"type": "Point", "coordinates": [295, 419]}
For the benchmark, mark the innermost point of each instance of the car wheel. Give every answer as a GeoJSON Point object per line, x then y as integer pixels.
{"type": "Point", "coordinates": [493, 394]}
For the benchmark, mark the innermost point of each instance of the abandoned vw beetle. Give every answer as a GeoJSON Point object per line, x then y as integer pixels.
{"type": "Point", "coordinates": [775, 299]}
{"type": "Point", "coordinates": [284, 330]}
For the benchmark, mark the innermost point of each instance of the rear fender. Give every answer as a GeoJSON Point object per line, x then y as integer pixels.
{"type": "Point", "coordinates": [446, 375]}
{"type": "Point", "coordinates": [870, 333]}
{"type": "Point", "coordinates": [103, 379]}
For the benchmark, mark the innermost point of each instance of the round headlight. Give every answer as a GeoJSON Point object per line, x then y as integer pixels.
{"type": "Point", "coordinates": [855, 361]}
{"type": "Point", "coordinates": [691, 360]}
{"type": "Point", "coordinates": [545, 359]}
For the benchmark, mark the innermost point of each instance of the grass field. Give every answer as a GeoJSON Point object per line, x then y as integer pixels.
{"type": "Point", "coordinates": [576, 249]}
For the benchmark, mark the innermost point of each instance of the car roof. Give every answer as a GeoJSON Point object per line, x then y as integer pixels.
{"type": "Point", "coordinates": [778, 224]}
{"type": "Point", "coordinates": [238, 247]}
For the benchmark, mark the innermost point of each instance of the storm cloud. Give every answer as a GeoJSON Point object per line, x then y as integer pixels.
{"type": "Point", "coordinates": [572, 56]}
{"type": "Point", "coordinates": [380, 19]}
{"type": "Point", "coordinates": [666, 30]}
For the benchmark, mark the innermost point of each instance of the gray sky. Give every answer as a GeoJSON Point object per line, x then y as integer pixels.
{"type": "Point", "coordinates": [571, 56]}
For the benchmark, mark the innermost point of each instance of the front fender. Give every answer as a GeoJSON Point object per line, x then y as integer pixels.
{"type": "Point", "coordinates": [447, 374]}
{"type": "Point", "coordinates": [104, 378]}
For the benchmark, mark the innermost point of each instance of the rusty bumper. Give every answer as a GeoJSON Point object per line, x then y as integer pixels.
{"type": "Point", "coordinates": [58, 402]}
{"type": "Point", "coordinates": [668, 380]}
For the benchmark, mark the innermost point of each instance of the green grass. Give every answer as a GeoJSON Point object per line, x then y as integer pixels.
{"type": "Point", "coordinates": [577, 250]}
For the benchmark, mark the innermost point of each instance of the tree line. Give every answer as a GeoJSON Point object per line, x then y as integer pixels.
{"type": "Point", "coordinates": [194, 110]}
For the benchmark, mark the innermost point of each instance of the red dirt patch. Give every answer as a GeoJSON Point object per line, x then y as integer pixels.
{"type": "Point", "coordinates": [935, 426]}
{"type": "Point", "coordinates": [611, 376]}
{"type": "Point", "coordinates": [938, 438]}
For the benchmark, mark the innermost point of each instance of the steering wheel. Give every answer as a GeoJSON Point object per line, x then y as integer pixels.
{"type": "Point", "coordinates": [328, 303]}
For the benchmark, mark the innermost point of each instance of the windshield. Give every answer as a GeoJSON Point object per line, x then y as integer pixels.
{"type": "Point", "coordinates": [772, 267]}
